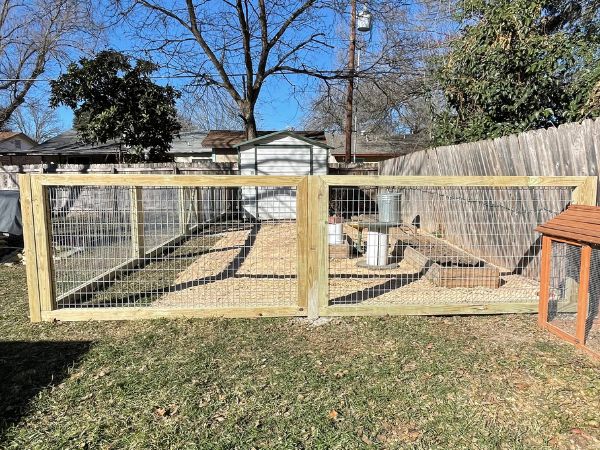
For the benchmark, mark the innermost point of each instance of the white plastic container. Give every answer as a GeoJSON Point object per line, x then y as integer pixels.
{"type": "Point", "coordinates": [336, 233]}
{"type": "Point", "coordinates": [377, 249]}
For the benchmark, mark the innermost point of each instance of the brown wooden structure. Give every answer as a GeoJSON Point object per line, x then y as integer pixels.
{"type": "Point", "coordinates": [575, 319]}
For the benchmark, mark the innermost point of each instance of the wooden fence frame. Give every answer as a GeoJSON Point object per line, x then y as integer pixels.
{"type": "Point", "coordinates": [584, 193]}
{"type": "Point", "coordinates": [312, 203]}
{"type": "Point", "coordinates": [38, 252]}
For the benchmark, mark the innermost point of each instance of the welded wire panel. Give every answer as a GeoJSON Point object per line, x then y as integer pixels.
{"type": "Point", "coordinates": [592, 323]}
{"type": "Point", "coordinates": [565, 266]}
{"type": "Point", "coordinates": [437, 245]}
{"type": "Point", "coordinates": [180, 247]}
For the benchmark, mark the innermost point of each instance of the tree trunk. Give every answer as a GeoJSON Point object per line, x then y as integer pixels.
{"type": "Point", "coordinates": [249, 120]}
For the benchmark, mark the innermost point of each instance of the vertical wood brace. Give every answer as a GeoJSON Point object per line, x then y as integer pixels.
{"type": "Point", "coordinates": [585, 193]}
{"type": "Point", "coordinates": [303, 242]}
{"type": "Point", "coordinates": [43, 248]}
{"type": "Point", "coordinates": [183, 222]}
{"type": "Point", "coordinates": [544, 280]}
{"type": "Point", "coordinates": [318, 261]}
{"type": "Point", "coordinates": [137, 222]}
{"type": "Point", "coordinates": [30, 248]}
{"type": "Point", "coordinates": [582, 300]}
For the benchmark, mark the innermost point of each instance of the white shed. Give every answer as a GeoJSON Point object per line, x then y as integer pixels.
{"type": "Point", "coordinates": [280, 153]}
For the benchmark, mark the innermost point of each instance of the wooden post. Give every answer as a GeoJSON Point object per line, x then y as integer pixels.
{"type": "Point", "coordinates": [303, 242]}
{"type": "Point", "coordinates": [545, 281]}
{"type": "Point", "coordinates": [583, 298]}
{"type": "Point", "coordinates": [318, 261]}
{"type": "Point", "coordinates": [137, 222]}
{"type": "Point", "coordinates": [43, 248]}
{"type": "Point", "coordinates": [585, 193]}
{"type": "Point", "coordinates": [183, 222]}
{"type": "Point", "coordinates": [30, 251]}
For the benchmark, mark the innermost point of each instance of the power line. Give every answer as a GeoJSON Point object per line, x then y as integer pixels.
{"type": "Point", "coordinates": [340, 73]}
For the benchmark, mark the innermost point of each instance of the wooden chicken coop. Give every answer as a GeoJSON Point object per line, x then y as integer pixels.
{"type": "Point", "coordinates": [570, 277]}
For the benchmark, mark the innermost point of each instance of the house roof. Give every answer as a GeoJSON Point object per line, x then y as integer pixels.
{"type": "Point", "coordinates": [69, 143]}
{"type": "Point", "coordinates": [374, 145]}
{"type": "Point", "coordinates": [578, 223]}
{"type": "Point", "coordinates": [6, 135]}
{"type": "Point", "coordinates": [293, 134]}
{"type": "Point", "coordinates": [232, 138]}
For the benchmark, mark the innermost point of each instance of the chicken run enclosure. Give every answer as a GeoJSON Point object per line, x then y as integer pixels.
{"type": "Point", "coordinates": [142, 246]}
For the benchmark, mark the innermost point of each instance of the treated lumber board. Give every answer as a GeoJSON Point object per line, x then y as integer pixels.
{"type": "Point", "coordinates": [41, 222]}
{"type": "Point", "coordinates": [303, 235]}
{"type": "Point", "coordinates": [137, 222]}
{"type": "Point", "coordinates": [166, 180]}
{"type": "Point", "coordinates": [145, 313]}
{"type": "Point", "coordinates": [483, 181]}
{"type": "Point", "coordinates": [431, 310]}
{"type": "Point", "coordinates": [30, 248]}
{"type": "Point", "coordinates": [318, 261]}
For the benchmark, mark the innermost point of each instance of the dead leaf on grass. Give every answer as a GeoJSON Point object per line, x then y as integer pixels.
{"type": "Point", "coordinates": [333, 415]}
{"type": "Point", "coordinates": [166, 411]}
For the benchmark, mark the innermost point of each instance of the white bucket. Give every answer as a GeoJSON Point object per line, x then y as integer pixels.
{"type": "Point", "coordinates": [336, 234]}
{"type": "Point", "coordinates": [377, 249]}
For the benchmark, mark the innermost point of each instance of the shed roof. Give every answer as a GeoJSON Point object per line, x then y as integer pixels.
{"type": "Point", "coordinates": [232, 138]}
{"type": "Point", "coordinates": [578, 223]}
{"type": "Point", "coordinates": [293, 134]}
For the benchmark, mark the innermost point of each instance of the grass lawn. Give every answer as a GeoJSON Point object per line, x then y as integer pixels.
{"type": "Point", "coordinates": [401, 382]}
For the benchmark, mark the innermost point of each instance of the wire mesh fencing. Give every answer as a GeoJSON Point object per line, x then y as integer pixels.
{"type": "Point", "coordinates": [592, 318]}
{"type": "Point", "coordinates": [564, 286]}
{"type": "Point", "coordinates": [179, 247]}
{"type": "Point", "coordinates": [437, 245]}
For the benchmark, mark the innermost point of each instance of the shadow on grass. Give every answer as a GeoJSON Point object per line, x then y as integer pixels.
{"type": "Point", "coordinates": [28, 367]}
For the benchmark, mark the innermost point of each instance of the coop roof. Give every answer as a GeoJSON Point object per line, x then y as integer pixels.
{"type": "Point", "coordinates": [578, 223]}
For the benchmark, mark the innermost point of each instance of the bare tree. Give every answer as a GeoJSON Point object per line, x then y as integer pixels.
{"type": "Point", "coordinates": [34, 36]}
{"type": "Point", "coordinates": [36, 119]}
{"type": "Point", "coordinates": [208, 109]}
{"type": "Point", "coordinates": [393, 92]}
{"type": "Point", "coordinates": [233, 45]}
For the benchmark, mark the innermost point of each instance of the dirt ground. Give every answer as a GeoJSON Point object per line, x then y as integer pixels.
{"type": "Point", "coordinates": [257, 267]}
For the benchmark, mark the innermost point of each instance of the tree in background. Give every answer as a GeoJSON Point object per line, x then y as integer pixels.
{"type": "Point", "coordinates": [518, 65]}
{"type": "Point", "coordinates": [237, 46]}
{"type": "Point", "coordinates": [113, 100]}
{"type": "Point", "coordinates": [36, 36]}
{"type": "Point", "coordinates": [36, 119]}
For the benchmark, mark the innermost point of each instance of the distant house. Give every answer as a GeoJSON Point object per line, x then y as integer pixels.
{"type": "Point", "coordinates": [214, 145]}
{"type": "Point", "coordinates": [12, 146]}
{"type": "Point", "coordinates": [67, 148]}
{"type": "Point", "coordinates": [373, 148]}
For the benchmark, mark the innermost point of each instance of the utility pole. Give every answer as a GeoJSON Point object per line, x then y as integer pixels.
{"type": "Point", "coordinates": [350, 92]}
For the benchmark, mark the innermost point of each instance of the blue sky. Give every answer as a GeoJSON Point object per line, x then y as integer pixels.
{"type": "Point", "coordinates": [279, 106]}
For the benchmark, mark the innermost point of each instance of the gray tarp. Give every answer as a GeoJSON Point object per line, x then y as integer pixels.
{"type": "Point", "coordinates": [10, 213]}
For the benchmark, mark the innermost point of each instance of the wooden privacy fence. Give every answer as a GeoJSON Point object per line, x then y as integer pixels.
{"type": "Point", "coordinates": [145, 246]}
